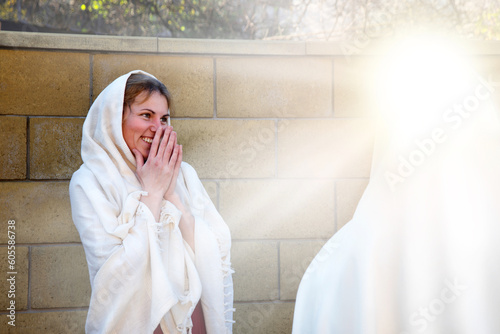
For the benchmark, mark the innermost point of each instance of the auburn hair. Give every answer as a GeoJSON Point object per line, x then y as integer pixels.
{"type": "Point", "coordinates": [138, 83]}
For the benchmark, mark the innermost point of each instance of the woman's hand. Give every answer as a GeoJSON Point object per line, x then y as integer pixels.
{"type": "Point", "coordinates": [156, 175]}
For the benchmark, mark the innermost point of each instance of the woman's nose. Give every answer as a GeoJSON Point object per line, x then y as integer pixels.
{"type": "Point", "coordinates": [156, 124]}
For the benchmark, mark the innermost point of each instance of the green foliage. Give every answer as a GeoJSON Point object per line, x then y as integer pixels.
{"type": "Point", "coordinates": [7, 10]}
{"type": "Point", "coordinates": [488, 27]}
{"type": "Point", "coordinates": [257, 19]}
{"type": "Point", "coordinates": [171, 18]}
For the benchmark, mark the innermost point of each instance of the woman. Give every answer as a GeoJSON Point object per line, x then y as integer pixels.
{"type": "Point", "coordinates": [158, 251]}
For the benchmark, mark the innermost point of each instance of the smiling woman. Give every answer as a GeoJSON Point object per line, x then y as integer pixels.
{"type": "Point", "coordinates": [157, 249]}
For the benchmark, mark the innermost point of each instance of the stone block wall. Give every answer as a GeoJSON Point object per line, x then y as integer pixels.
{"type": "Point", "coordinates": [279, 132]}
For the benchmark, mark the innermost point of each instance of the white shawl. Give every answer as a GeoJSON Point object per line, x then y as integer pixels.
{"type": "Point", "coordinates": [141, 271]}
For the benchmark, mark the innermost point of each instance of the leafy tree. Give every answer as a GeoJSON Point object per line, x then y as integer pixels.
{"type": "Point", "coordinates": [244, 19]}
{"type": "Point", "coordinates": [256, 19]}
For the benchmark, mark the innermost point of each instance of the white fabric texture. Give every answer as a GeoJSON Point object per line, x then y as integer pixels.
{"type": "Point", "coordinates": [142, 272]}
{"type": "Point", "coordinates": [421, 253]}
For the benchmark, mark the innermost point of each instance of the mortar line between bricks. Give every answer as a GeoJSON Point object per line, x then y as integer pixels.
{"type": "Point", "coordinates": [217, 187]}
{"type": "Point", "coordinates": [270, 178]}
{"type": "Point", "coordinates": [276, 149]}
{"type": "Point", "coordinates": [325, 239]}
{"type": "Point", "coordinates": [53, 116]}
{"type": "Point", "coordinates": [332, 111]}
{"type": "Point", "coordinates": [29, 279]}
{"type": "Point", "coordinates": [278, 246]}
{"type": "Point", "coordinates": [287, 178]}
{"type": "Point", "coordinates": [28, 148]}
{"type": "Point", "coordinates": [287, 301]}
{"type": "Point", "coordinates": [91, 78]}
{"type": "Point", "coordinates": [35, 180]}
{"type": "Point", "coordinates": [48, 310]}
{"type": "Point", "coordinates": [32, 244]}
{"type": "Point", "coordinates": [242, 118]}
{"type": "Point", "coordinates": [214, 74]}
{"type": "Point", "coordinates": [335, 212]}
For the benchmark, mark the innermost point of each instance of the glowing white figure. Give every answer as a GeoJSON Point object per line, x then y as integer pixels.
{"type": "Point", "coordinates": [422, 251]}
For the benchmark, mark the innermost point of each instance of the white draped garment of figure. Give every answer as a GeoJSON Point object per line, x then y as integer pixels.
{"type": "Point", "coordinates": [422, 251]}
{"type": "Point", "coordinates": [142, 272]}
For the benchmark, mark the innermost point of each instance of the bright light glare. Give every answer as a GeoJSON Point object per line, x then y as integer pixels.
{"type": "Point", "coordinates": [419, 79]}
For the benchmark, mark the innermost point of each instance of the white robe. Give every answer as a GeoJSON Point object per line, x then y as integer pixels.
{"type": "Point", "coordinates": [142, 272]}
{"type": "Point", "coordinates": [422, 251]}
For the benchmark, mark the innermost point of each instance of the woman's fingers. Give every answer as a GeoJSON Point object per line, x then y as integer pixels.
{"type": "Point", "coordinates": [172, 142]}
{"type": "Point", "coordinates": [156, 142]}
{"type": "Point", "coordinates": [164, 142]}
{"type": "Point", "coordinates": [176, 159]}
{"type": "Point", "coordinates": [175, 165]}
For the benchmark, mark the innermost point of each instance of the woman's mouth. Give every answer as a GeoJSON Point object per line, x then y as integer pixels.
{"type": "Point", "coordinates": [147, 140]}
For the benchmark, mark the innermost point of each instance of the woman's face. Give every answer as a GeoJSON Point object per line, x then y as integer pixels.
{"type": "Point", "coordinates": [142, 118]}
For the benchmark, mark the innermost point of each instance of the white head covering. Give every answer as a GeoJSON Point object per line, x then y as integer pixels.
{"type": "Point", "coordinates": [104, 150]}
{"type": "Point", "coordinates": [422, 252]}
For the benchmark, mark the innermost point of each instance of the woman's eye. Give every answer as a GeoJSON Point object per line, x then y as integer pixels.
{"type": "Point", "coordinates": [146, 115]}
{"type": "Point", "coordinates": [164, 119]}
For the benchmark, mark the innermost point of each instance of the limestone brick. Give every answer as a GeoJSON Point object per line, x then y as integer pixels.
{"type": "Point", "coordinates": [13, 149]}
{"type": "Point", "coordinates": [59, 277]}
{"type": "Point", "coordinates": [274, 87]}
{"type": "Point", "coordinates": [44, 40]}
{"type": "Point", "coordinates": [336, 148]}
{"type": "Point", "coordinates": [189, 79]}
{"type": "Point", "coordinates": [226, 149]}
{"type": "Point", "coordinates": [256, 266]}
{"type": "Point", "coordinates": [263, 318]}
{"type": "Point", "coordinates": [244, 47]}
{"type": "Point", "coordinates": [44, 83]}
{"type": "Point", "coordinates": [354, 87]}
{"type": "Point", "coordinates": [47, 322]}
{"type": "Point", "coordinates": [41, 210]}
{"type": "Point", "coordinates": [55, 147]}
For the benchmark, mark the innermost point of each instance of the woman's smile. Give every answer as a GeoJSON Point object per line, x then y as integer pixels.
{"type": "Point", "coordinates": [147, 140]}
